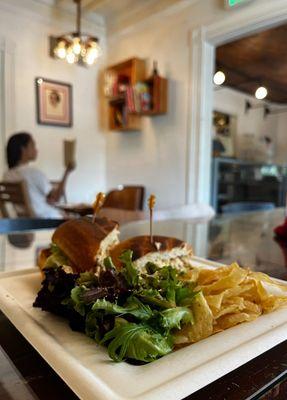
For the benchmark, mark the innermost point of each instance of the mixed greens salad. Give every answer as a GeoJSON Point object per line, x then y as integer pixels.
{"type": "Point", "coordinates": [136, 315]}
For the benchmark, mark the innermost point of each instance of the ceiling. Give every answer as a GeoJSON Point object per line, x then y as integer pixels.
{"type": "Point", "coordinates": [256, 60]}
{"type": "Point", "coordinates": [121, 13]}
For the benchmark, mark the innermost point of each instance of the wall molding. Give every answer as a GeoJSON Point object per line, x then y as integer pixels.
{"type": "Point", "coordinates": [248, 20]}
{"type": "Point", "coordinates": [7, 94]}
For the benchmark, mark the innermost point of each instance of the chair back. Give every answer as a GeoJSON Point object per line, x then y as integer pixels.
{"type": "Point", "coordinates": [233, 208]}
{"type": "Point", "coordinates": [126, 198]}
{"type": "Point", "coordinates": [14, 197]}
{"type": "Point", "coordinates": [122, 216]}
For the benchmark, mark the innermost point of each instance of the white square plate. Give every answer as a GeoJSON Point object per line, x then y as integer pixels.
{"type": "Point", "coordinates": [89, 372]}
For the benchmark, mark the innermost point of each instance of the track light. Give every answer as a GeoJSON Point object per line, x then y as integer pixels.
{"type": "Point", "coordinates": [219, 78]}
{"type": "Point", "coordinates": [261, 93]}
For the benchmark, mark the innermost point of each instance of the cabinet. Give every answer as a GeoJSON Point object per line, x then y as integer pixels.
{"type": "Point", "coordinates": [131, 94]}
{"type": "Point", "coordinates": [237, 181]}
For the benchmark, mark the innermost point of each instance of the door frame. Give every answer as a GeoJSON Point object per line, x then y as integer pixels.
{"type": "Point", "coordinates": [203, 41]}
{"type": "Point", "coordinates": [7, 96]}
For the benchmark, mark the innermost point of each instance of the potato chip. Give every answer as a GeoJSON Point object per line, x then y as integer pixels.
{"type": "Point", "coordinates": [234, 277]}
{"type": "Point", "coordinates": [207, 276]}
{"type": "Point", "coordinates": [229, 320]}
{"type": "Point", "coordinates": [203, 322]}
{"type": "Point", "coordinates": [229, 296]}
{"type": "Point", "coordinates": [214, 301]}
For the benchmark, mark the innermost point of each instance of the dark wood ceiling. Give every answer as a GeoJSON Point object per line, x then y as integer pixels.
{"type": "Point", "coordinates": [260, 59]}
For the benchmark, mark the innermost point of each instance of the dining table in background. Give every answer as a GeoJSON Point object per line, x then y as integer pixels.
{"type": "Point", "coordinates": [246, 238]}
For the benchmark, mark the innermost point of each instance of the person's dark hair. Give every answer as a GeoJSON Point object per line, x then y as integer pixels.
{"type": "Point", "coordinates": [14, 147]}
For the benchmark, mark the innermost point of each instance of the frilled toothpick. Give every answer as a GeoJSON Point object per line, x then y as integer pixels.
{"type": "Point", "coordinates": [98, 204]}
{"type": "Point", "coordinates": [151, 204]}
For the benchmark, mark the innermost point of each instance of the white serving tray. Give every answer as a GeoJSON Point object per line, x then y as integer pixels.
{"type": "Point", "coordinates": [89, 372]}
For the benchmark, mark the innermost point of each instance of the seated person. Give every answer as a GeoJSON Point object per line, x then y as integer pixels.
{"type": "Point", "coordinates": [21, 149]}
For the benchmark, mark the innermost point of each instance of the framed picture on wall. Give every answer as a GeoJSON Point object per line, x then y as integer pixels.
{"type": "Point", "coordinates": [54, 102]}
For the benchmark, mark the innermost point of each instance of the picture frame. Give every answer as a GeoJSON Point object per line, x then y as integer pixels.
{"type": "Point", "coordinates": [224, 134]}
{"type": "Point", "coordinates": [54, 102]}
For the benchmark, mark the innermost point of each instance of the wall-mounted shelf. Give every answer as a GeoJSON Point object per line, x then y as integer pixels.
{"type": "Point", "coordinates": [131, 95]}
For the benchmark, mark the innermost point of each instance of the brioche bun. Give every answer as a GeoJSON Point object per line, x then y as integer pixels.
{"type": "Point", "coordinates": [81, 239]}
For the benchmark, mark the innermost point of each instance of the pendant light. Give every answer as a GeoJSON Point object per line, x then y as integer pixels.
{"type": "Point", "coordinates": [76, 47]}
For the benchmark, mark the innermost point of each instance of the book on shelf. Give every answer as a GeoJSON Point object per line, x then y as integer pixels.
{"type": "Point", "coordinates": [138, 98]}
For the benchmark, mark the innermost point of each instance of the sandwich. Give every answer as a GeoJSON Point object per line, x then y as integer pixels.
{"type": "Point", "coordinates": [161, 251]}
{"type": "Point", "coordinates": [80, 245]}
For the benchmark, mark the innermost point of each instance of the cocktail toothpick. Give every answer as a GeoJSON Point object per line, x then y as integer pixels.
{"type": "Point", "coordinates": [98, 204]}
{"type": "Point", "coordinates": [151, 204]}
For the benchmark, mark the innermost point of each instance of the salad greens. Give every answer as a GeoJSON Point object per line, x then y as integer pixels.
{"type": "Point", "coordinates": [57, 257]}
{"type": "Point", "coordinates": [135, 314]}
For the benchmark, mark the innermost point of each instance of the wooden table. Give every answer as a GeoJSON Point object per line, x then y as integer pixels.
{"type": "Point", "coordinates": [24, 375]}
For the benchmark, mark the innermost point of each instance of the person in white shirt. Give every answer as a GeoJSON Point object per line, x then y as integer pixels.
{"type": "Point", "coordinates": [21, 150]}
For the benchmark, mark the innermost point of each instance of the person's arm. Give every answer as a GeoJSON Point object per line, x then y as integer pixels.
{"type": "Point", "coordinates": [56, 193]}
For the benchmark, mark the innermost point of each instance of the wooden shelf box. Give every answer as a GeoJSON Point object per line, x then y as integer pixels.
{"type": "Point", "coordinates": [131, 95]}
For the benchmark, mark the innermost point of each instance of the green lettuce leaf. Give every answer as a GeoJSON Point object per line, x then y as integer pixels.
{"type": "Point", "coordinates": [133, 307]}
{"type": "Point", "coordinates": [77, 298]}
{"type": "Point", "coordinates": [57, 258]}
{"type": "Point", "coordinates": [129, 271]}
{"type": "Point", "coordinates": [184, 296]}
{"type": "Point", "coordinates": [87, 279]}
{"type": "Point", "coordinates": [136, 341]}
{"type": "Point", "coordinates": [175, 317]}
{"type": "Point", "coordinates": [94, 319]}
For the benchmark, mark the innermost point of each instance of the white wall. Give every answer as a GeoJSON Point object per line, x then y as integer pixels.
{"type": "Point", "coordinates": [29, 32]}
{"type": "Point", "coordinates": [253, 122]}
{"type": "Point", "coordinates": [159, 151]}
{"type": "Point", "coordinates": [154, 157]}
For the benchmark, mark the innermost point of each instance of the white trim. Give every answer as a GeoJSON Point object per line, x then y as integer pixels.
{"type": "Point", "coordinates": [2, 110]}
{"type": "Point", "coordinates": [7, 93]}
{"type": "Point", "coordinates": [9, 88]}
{"type": "Point", "coordinates": [203, 41]}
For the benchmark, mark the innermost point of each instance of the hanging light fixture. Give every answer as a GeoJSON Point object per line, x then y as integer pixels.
{"type": "Point", "coordinates": [76, 47]}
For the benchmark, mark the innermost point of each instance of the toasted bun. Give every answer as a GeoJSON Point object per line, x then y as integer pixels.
{"type": "Point", "coordinates": [80, 240]}
{"type": "Point", "coordinates": [42, 258]}
{"type": "Point", "coordinates": [141, 246]}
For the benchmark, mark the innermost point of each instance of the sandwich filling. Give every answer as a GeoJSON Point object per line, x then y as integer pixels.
{"type": "Point", "coordinates": [178, 257]}
{"type": "Point", "coordinates": [110, 241]}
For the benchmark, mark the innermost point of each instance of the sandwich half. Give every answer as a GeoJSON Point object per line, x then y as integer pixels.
{"type": "Point", "coordinates": [81, 244]}
{"type": "Point", "coordinates": [162, 251]}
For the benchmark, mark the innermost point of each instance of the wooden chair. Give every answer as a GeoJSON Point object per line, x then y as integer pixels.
{"type": "Point", "coordinates": [126, 198]}
{"type": "Point", "coordinates": [14, 199]}
{"type": "Point", "coordinates": [122, 216]}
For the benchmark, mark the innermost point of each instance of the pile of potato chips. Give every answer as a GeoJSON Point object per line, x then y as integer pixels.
{"type": "Point", "coordinates": [230, 295]}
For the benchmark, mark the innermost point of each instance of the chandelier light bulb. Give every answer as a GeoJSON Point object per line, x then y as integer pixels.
{"type": "Point", "coordinates": [261, 93]}
{"type": "Point", "coordinates": [89, 60]}
{"type": "Point", "coordinates": [76, 46]}
{"type": "Point", "coordinates": [219, 78]}
{"type": "Point", "coordinates": [70, 57]}
{"type": "Point", "coordinates": [95, 50]}
{"type": "Point", "coordinates": [60, 50]}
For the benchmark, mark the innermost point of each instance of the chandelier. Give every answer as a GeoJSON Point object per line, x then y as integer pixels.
{"type": "Point", "coordinates": [76, 47]}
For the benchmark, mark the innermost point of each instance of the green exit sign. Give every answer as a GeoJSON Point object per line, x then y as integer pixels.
{"type": "Point", "coordinates": [235, 3]}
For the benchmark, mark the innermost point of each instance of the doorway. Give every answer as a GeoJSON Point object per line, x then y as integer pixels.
{"type": "Point", "coordinates": [247, 21]}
